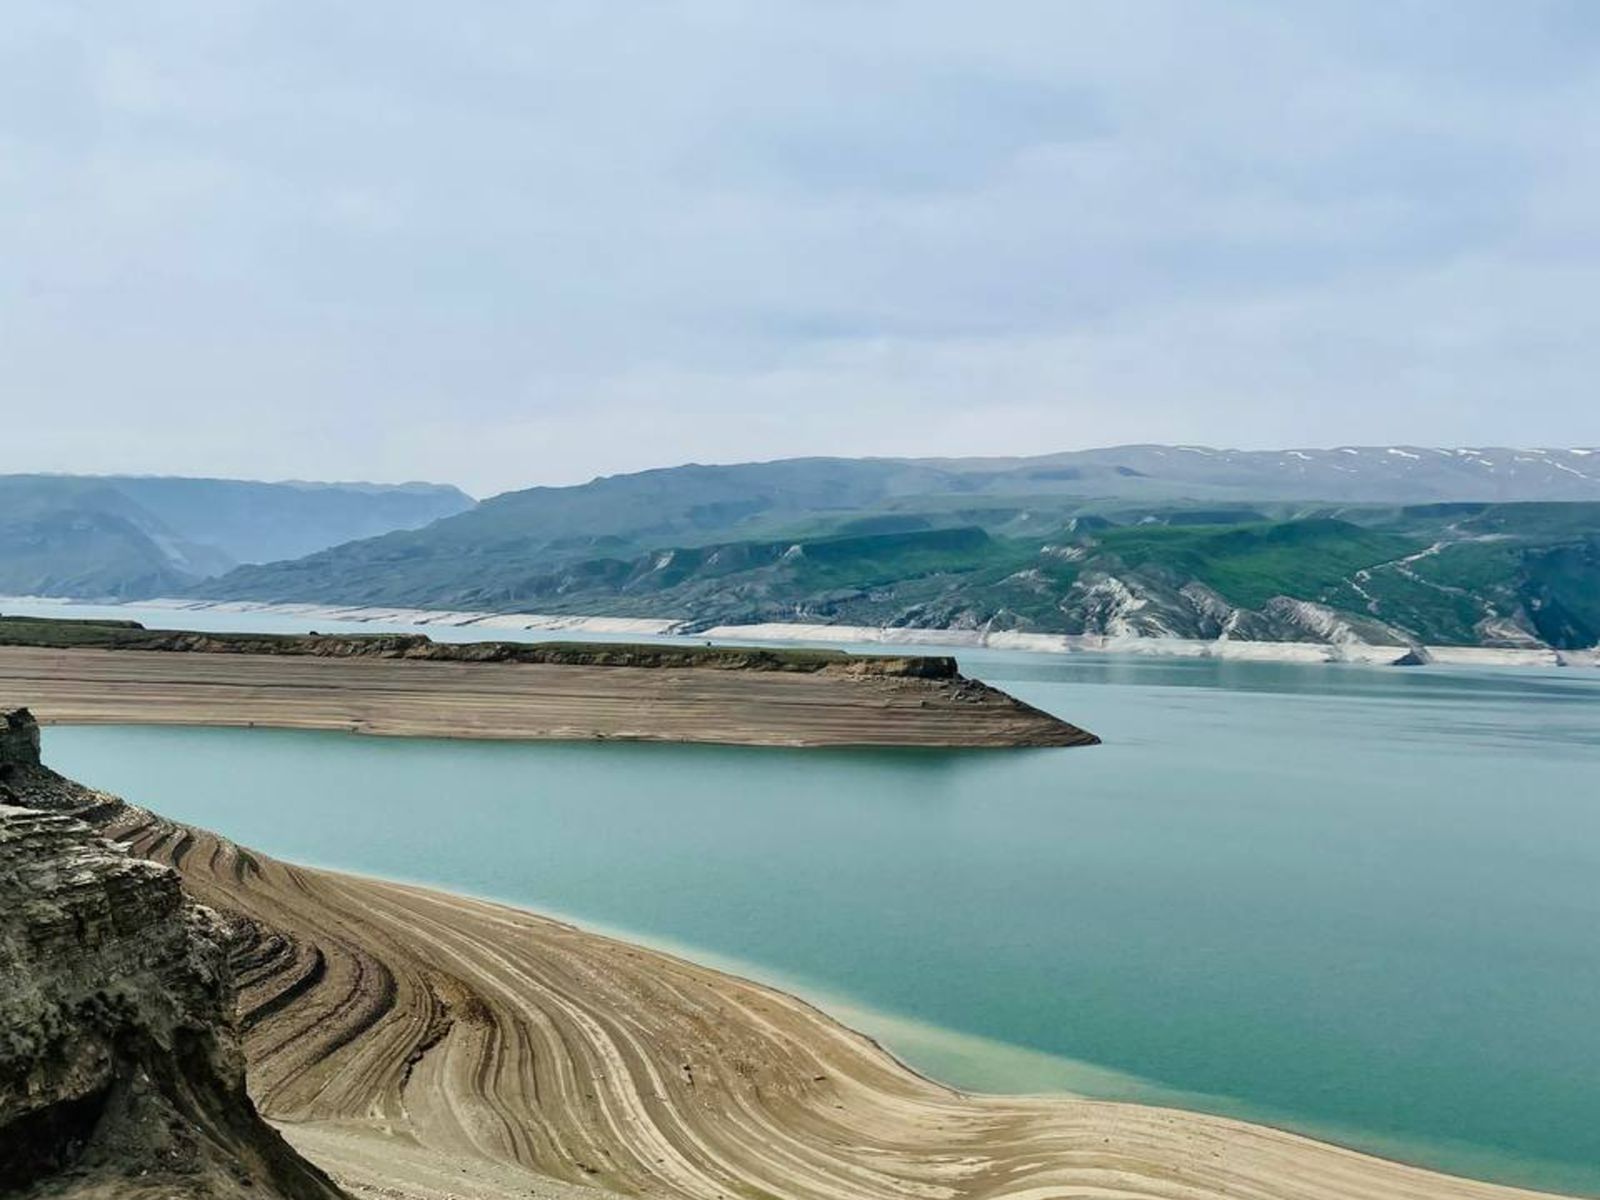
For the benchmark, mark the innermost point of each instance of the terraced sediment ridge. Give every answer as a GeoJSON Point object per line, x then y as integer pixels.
{"type": "Point", "coordinates": [109, 673]}
{"type": "Point", "coordinates": [418, 1044]}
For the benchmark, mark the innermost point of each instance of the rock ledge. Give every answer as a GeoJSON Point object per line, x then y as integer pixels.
{"type": "Point", "coordinates": [120, 1067]}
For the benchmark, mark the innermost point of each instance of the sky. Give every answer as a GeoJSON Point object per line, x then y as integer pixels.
{"type": "Point", "coordinates": [501, 244]}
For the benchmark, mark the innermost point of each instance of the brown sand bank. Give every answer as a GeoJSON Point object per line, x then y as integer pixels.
{"type": "Point", "coordinates": [418, 1044]}
{"type": "Point", "coordinates": [844, 703]}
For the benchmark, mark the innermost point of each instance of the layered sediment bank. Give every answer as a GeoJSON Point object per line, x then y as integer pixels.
{"type": "Point", "coordinates": [417, 1044]}
{"type": "Point", "coordinates": [416, 687]}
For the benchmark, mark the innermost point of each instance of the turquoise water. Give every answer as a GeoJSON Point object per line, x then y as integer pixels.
{"type": "Point", "coordinates": [1359, 902]}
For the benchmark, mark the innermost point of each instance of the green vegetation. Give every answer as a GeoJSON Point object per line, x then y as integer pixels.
{"type": "Point", "coordinates": [1555, 583]}
{"type": "Point", "coordinates": [64, 633]}
{"type": "Point", "coordinates": [875, 560]}
{"type": "Point", "coordinates": [1251, 564]}
{"type": "Point", "coordinates": [1453, 574]}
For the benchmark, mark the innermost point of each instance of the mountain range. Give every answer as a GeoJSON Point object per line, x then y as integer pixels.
{"type": "Point", "coordinates": [133, 536]}
{"type": "Point", "coordinates": [1392, 544]}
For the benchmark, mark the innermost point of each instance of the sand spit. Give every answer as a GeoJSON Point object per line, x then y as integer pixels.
{"type": "Point", "coordinates": [864, 635]}
{"type": "Point", "coordinates": [422, 1045]}
{"type": "Point", "coordinates": [426, 698]}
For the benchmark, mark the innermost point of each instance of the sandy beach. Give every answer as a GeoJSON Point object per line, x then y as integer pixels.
{"type": "Point", "coordinates": [422, 1045]}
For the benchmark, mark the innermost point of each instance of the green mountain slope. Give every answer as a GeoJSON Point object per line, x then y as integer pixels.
{"type": "Point", "coordinates": [1153, 540]}
{"type": "Point", "coordinates": [489, 550]}
{"type": "Point", "coordinates": [1454, 574]}
{"type": "Point", "coordinates": [1493, 573]}
{"type": "Point", "coordinates": [1251, 564]}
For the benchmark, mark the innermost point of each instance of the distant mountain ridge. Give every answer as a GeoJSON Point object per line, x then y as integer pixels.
{"type": "Point", "coordinates": [695, 504]}
{"type": "Point", "coordinates": [1388, 543]}
{"type": "Point", "coordinates": [132, 536]}
{"type": "Point", "coordinates": [254, 522]}
{"type": "Point", "coordinates": [1516, 575]}
{"type": "Point", "coordinates": [1383, 474]}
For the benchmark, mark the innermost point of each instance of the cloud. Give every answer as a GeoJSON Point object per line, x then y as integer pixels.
{"type": "Point", "coordinates": [505, 246]}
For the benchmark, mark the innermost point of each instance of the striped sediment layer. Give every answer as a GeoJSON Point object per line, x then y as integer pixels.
{"type": "Point", "coordinates": [418, 1044]}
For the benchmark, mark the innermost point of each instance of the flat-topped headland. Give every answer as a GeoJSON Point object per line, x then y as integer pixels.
{"type": "Point", "coordinates": [119, 672]}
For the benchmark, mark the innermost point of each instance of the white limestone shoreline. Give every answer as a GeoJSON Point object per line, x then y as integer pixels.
{"type": "Point", "coordinates": [863, 635]}
{"type": "Point", "coordinates": [1170, 647]}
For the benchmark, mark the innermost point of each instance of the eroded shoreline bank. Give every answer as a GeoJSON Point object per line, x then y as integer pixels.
{"type": "Point", "coordinates": [889, 638]}
{"type": "Point", "coordinates": [387, 1022]}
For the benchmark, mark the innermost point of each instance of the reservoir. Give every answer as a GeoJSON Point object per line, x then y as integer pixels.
{"type": "Point", "coordinates": [1359, 902]}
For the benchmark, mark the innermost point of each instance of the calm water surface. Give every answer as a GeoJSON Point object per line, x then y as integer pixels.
{"type": "Point", "coordinates": [1359, 902]}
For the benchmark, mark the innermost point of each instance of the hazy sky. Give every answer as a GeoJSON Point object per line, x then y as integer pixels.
{"type": "Point", "coordinates": [508, 243]}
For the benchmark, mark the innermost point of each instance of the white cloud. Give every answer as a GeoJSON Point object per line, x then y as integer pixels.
{"type": "Point", "coordinates": [506, 246]}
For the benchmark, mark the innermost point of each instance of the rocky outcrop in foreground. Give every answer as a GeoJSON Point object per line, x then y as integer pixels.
{"type": "Point", "coordinates": [121, 1073]}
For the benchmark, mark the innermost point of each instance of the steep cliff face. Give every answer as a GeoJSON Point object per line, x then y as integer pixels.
{"type": "Point", "coordinates": [19, 742]}
{"type": "Point", "coordinates": [26, 783]}
{"type": "Point", "coordinates": [120, 1068]}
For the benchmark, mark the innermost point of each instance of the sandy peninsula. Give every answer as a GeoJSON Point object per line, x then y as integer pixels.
{"type": "Point", "coordinates": [587, 694]}
{"type": "Point", "coordinates": [419, 1045]}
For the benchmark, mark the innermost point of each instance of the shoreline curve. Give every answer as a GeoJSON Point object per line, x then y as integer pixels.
{"type": "Point", "coordinates": [390, 1027]}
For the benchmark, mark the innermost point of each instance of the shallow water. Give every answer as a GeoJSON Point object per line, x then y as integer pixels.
{"type": "Point", "coordinates": [1360, 902]}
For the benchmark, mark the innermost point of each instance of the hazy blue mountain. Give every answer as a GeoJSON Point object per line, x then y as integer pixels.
{"type": "Point", "coordinates": [81, 537]}
{"type": "Point", "coordinates": [130, 536]}
{"type": "Point", "coordinates": [261, 522]}
{"type": "Point", "coordinates": [1381, 474]}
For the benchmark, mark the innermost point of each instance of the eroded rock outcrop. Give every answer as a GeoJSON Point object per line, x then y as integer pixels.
{"type": "Point", "coordinates": [120, 1068]}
